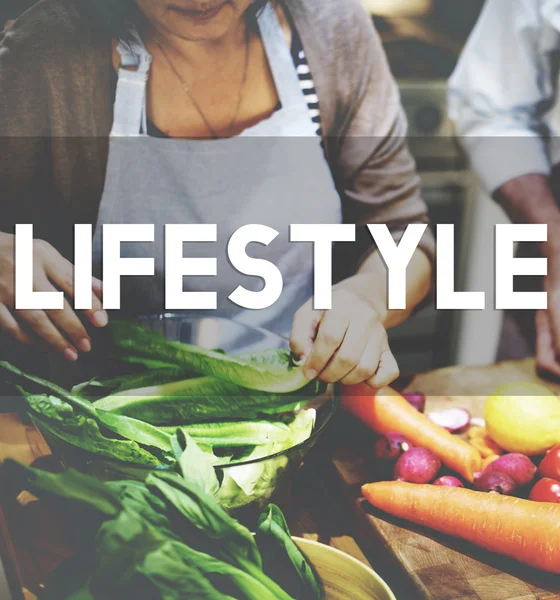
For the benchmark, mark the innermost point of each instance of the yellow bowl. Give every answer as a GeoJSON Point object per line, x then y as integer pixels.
{"type": "Point", "coordinates": [343, 576]}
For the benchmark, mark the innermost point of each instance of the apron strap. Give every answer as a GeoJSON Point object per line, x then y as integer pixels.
{"type": "Point", "coordinates": [129, 111]}
{"type": "Point", "coordinates": [280, 59]}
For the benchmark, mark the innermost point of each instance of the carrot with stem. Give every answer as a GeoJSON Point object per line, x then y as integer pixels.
{"type": "Point", "coordinates": [521, 529]}
{"type": "Point", "coordinates": [386, 410]}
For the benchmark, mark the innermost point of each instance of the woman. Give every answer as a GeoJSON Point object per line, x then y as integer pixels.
{"type": "Point", "coordinates": [278, 113]}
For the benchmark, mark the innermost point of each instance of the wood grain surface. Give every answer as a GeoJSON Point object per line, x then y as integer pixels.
{"type": "Point", "coordinates": [423, 564]}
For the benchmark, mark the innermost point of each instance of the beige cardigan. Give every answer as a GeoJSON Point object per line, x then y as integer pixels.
{"type": "Point", "coordinates": [56, 112]}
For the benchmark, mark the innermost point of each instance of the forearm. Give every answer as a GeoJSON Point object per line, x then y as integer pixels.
{"type": "Point", "coordinates": [370, 284]}
{"type": "Point", "coordinates": [530, 199]}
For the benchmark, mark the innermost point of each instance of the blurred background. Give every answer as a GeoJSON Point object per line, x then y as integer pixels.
{"type": "Point", "coordinates": [423, 40]}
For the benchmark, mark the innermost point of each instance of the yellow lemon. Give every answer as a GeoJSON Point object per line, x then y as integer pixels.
{"type": "Point", "coordinates": [523, 417]}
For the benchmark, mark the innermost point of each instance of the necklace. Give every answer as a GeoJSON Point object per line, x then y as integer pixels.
{"type": "Point", "coordinates": [187, 90]}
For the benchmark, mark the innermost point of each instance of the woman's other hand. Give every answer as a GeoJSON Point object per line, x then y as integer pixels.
{"type": "Point", "coordinates": [61, 329]}
{"type": "Point", "coordinates": [347, 343]}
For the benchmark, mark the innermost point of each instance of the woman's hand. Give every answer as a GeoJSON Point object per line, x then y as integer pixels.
{"type": "Point", "coordinates": [61, 329]}
{"type": "Point", "coordinates": [347, 343]}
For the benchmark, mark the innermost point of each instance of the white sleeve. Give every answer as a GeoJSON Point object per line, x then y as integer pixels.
{"type": "Point", "coordinates": [500, 91]}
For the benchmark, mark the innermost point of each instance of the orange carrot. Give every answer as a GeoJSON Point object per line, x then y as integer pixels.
{"type": "Point", "coordinates": [475, 432]}
{"type": "Point", "coordinates": [486, 446]}
{"type": "Point", "coordinates": [521, 529]}
{"type": "Point", "coordinates": [386, 410]}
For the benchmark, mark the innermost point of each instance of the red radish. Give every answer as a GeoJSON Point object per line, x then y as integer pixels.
{"type": "Point", "coordinates": [416, 399]}
{"type": "Point", "coordinates": [417, 465]}
{"type": "Point", "coordinates": [546, 490]}
{"type": "Point", "coordinates": [391, 446]}
{"type": "Point", "coordinates": [449, 481]}
{"type": "Point", "coordinates": [499, 483]}
{"type": "Point", "coordinates": [550, 464]}
{"type": "Point", "coordinates": [452, 419]}
{"type": "Point", "coordinates": [518, 466]}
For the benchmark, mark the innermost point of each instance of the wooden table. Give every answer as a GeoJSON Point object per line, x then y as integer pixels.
{"type": "Point", "coordinates": [418, 563]}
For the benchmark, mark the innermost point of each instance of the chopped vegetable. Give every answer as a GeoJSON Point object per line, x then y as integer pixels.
{"type": "Point", "coordinates": [385, 410]}
{"type": "Point", "coordinates": [454, 420]}
{"type": "Point", "coordinates": [526, 531]}
{"type": "Point", "coordinates": [448, 481]}
{"type": "Point", "coordinates": [417, 465]}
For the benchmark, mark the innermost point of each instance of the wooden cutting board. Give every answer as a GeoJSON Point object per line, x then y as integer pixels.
{"type": "Point", "coordinates": [419, 563]}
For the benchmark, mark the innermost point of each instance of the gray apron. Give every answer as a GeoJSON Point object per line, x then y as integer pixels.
{"type": "Point", "coordinates": [273, 174]}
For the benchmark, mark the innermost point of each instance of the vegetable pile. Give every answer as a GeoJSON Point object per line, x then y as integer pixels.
{"type": "Point", "coordinates": [183, 403]}
{"type": "Point", "coordinates": [166, 539]}
{"type": "Point", "coordinates": [505, 511]}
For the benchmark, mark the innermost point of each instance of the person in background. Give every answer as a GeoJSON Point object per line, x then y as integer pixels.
{"type": "Point", "coordinates": [502, 99]}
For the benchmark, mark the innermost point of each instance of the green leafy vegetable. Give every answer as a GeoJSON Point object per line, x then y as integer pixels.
{"type": "Point", "coordinates": [59, 421]}
{"type": "Point", "coordinates": [206, 526]}
{"type": "Point", "coordinates": [283, 560]}
{"type": "Point", "coordinates": [237, 433]}
{"type": "Point", "coordinates": [131, 381]}
{"type": "Point", "coordinates": [70, 485]}
{"type": "Point", "coordinates": [276, 372]}
{"type": "Point", "coordinates": [199, 400]}
{"type": "Point", "coordinates": [128, 428]}
{"type": "Point", "coordinates": [258, 478]}
{"type": "Point", "coordinates": [197, 466]}
{"type": "Point", "coordinates": [159, 540]}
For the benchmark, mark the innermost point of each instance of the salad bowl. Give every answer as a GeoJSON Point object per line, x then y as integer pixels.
{"type": "Point", "coordinates": [248, 479]}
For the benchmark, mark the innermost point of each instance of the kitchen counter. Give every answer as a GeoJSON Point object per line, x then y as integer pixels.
{"type": "Point", "coordinates": [324, 505]}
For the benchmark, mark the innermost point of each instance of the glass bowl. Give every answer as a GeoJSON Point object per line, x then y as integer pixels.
{"type": "Point", "coordinates": [234, 338]}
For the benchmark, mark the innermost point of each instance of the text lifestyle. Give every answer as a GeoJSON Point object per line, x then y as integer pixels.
{"type": "Point", "coordinates": [396, 256]}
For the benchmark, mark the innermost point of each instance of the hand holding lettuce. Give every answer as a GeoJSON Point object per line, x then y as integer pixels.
{"type": "Point", "coordinates": [204, 420]}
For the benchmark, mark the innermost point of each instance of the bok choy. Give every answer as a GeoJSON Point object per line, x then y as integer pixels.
{"type": "Point", "coordinates": [164, 539]}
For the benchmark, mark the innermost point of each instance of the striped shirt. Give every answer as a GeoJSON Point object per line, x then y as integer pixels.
{"type": "Point", "coordinates": [306, 80]}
